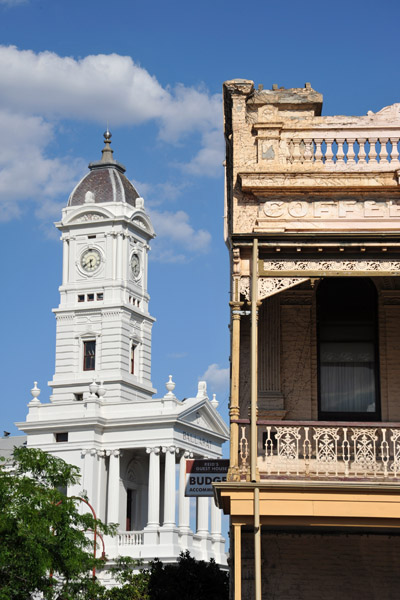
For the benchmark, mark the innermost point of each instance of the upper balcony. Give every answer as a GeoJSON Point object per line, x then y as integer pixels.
{"type": "Point", "coordinates": [309, 451]}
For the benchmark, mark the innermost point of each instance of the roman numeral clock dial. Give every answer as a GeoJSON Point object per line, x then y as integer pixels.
{"type": "Point", "coordinates": [135, 266]}
{"type": "Point", "coordinates": [90, 260]}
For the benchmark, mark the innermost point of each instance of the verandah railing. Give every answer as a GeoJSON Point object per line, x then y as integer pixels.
{"type": "Point", "coordinates": [315, 449]}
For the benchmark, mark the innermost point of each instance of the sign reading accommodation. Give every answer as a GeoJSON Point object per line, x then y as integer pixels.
{"type": "Point", "coordinates": [201, 474]}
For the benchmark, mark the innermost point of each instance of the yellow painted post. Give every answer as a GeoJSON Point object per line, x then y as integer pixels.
{"type": "Point", "coordinates": [254, 363]}
{"type": "Point", "coordinates": [237, 533]}
{"type": "Point", "coordinates": [234, 412]}
{"type": "Point", "coordinates": [257, 545]}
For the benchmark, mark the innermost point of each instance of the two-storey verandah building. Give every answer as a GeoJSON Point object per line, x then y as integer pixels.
{"type": "Point", "coordinates": [313, 230]}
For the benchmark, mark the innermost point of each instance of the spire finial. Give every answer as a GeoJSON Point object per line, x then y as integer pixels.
{"type": "Point", "coordinates": [107, 152]}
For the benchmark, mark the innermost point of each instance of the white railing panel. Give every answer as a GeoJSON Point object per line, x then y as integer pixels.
{"type": "Point", "coordinates": [131, 538]}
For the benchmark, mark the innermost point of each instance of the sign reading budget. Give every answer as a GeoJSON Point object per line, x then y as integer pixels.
{"type": "Point", "coordinates": [201, 474]}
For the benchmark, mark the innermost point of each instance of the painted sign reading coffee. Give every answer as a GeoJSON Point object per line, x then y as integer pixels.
{"type": "Point", "coordinates": [329, 209]}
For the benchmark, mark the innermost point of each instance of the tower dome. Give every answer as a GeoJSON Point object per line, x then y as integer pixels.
{"type": "Point", "coordinates": [105, 181]}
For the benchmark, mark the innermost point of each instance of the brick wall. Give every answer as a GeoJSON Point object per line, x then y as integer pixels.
{"type": "Point", "coordinates": [328, 566]}
{"type": "Point", "coordinates": [296, 375]}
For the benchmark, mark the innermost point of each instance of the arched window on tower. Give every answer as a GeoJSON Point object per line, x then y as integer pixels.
{"type": "Point", "coordinates": [348, 372]}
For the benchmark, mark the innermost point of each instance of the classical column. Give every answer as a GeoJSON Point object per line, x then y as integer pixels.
{"type": "Point", "coordinates": [153, 520]}
{"type": "Point", "coordinates": [202, 515]}
{"type": "Point", "coordinates": [90, 474]}
{"type": "Point", "coordinates": [215, 521]}
{"type": "Point", "coordinates": [184, 502]}
{"type": "Point", "coordinates": [169, 486]}
{"type": "Point", "coordinates": [113, 487]}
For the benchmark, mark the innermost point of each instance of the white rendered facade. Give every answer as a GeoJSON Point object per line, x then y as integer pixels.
{"type": "Point", "coordinates": [130, 447]}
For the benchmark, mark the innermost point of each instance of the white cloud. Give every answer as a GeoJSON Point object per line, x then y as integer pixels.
{"type": "Point", "coordinates": [38, 89]}
{"type": "Point", "coordinates": [209, 158]}
{"type": "Point", "coordinates": [156, 193]}
{"type": "Point", "coordinates": [26, 174]}
{"type": "Point", "coordinates": [13, 2]}
{"type": "Point", "coordinates": [178, 239]}
{"type": "Point", "coordinates": [217, 377]}
{"type": "Point", "coordinates": [105, 88]}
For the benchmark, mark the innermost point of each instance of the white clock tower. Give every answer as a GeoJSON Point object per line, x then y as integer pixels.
{"type": "Point", "coordinates": [102, 416]}
{"type": "Point", "coordinates": [103, 323]}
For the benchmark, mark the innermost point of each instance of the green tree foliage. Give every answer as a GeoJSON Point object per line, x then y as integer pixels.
{"type": "Point", "coordinates": [132, 586]}
{"type": "Point", "coordinates": [190, 579]}
{"type": "Point", "coordinates": [45, 546]}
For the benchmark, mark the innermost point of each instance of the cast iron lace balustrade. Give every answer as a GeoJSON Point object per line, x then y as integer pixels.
{"type": "Point", "coordinates": [318, 450]}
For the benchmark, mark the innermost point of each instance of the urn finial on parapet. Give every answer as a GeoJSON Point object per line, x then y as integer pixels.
{"type": "Point", "coordinates": [214, 402]}
{"type": "Point", "coordinates": [170, 385]}
{"type": "Point", "coordinates": [35, 392]}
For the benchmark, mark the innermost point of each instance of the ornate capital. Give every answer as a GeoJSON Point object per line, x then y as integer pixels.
{"type": "Point", "coordinates": [115, 452]}
{"type": "Point", "coordinates": [155, 450]}
{"type": "Point", "coordinates": [171, 449]}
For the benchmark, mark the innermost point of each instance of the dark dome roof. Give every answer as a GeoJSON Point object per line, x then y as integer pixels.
{"type": "Point", "coordinates": [105, 182]}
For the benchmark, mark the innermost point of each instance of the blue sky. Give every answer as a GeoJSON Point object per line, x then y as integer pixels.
{"type": "Point", "coordinates": [154, 71]}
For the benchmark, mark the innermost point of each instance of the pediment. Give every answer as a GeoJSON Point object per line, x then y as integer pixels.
{"type": "Point", "coordinates": [200, 414]}
{"type": "Point", "coordinates": [199, 418]}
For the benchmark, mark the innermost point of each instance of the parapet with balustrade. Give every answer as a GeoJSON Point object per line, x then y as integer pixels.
{"type": "Point", "coordinates": [281, 131]}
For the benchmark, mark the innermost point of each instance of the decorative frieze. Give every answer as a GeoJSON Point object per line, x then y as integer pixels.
{"type": "Point", "coordinates": [307, 266]}
{"type": "Point", "coordinates": [268, 286]}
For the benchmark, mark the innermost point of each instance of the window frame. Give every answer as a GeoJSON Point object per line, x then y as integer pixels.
{"type": "Point", "coordinates": [353, 416]}
{"type": "Point", "coordinates": [88, 356]}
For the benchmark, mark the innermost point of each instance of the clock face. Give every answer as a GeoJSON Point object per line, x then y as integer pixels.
{"type": "Point", "coordinates": [135, 266]}
{"type": "Point", "coordinates": [90, 260]}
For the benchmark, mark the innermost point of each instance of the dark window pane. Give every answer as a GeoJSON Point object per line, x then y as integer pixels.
{"type": "Point", "coordinates": [89, 355]}
{"type": "Point", "coordinates": [347, 352]}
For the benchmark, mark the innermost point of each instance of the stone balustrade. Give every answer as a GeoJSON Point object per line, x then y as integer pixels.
{"type": "Point", "coordinates": [366, 143]}
{"type": "Point", "coordinates": [363, 151]}
{"type": "Point", "coordinates": [320, 450]}
{"type": "Point", "coordinates": [131, 538]}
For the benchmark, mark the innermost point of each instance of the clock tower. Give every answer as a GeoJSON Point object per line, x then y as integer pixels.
{"type": "Point", "coordinates": [102, 416]}
{"type": "Point", "coordinates": [103, 322]}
